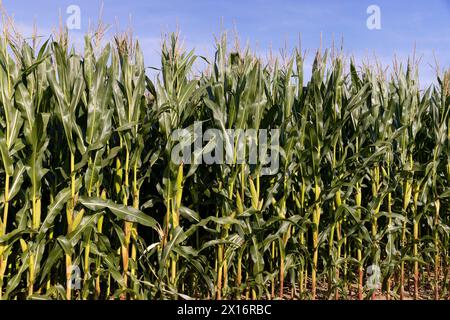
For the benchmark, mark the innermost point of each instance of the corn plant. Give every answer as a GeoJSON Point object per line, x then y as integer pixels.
{"type": "Point", "coordinates": [94, 205]}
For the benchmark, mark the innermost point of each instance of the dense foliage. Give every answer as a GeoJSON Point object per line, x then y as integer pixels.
{"type": "Point", "coordinates": [94, 208]}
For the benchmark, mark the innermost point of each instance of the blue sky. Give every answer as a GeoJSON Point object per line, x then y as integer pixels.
{"type": "Point", "coordinates": [264, 25]}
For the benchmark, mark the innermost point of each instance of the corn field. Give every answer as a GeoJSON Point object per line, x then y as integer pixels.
{"type": "Point", "coordinates": [92, 207]}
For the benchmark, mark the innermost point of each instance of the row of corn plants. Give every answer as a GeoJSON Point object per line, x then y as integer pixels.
{"type": "Point", "coordinates": [94, 207]}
